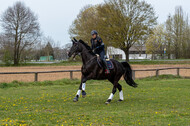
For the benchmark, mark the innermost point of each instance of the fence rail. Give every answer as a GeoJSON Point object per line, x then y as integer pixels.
{"type": "Point", "coordinates": [160, 69]}
{"type": "Point", "coordinates": [72, 71]}
{"type": "Point", "coordinates": [36, 73]}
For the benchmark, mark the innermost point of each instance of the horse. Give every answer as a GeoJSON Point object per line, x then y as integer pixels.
{"type": "Point", "coordinates": [91, 70]}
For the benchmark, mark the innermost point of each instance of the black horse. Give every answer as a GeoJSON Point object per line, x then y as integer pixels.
{"type": "Point", "coordinates": [92, 70]}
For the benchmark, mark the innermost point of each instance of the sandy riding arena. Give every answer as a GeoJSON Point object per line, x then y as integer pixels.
{"type": "Point", "coordinates": [57, 76]}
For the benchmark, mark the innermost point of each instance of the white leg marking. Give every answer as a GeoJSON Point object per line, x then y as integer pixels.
{"type": "Point", "coordinates": [111, 96]}
{"type": "Point", "coordinates": [121, 95]}
{"type": "Point", "coordinates": [83, 86]}
{"type": "Point", "coordinates": [78, 92]}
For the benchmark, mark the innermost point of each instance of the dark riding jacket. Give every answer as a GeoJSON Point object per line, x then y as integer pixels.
{"type": "Point", "coordinates": [98, 46]}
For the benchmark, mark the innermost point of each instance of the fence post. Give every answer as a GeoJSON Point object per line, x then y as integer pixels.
{"type": "Point", "coordinates": [178, 72]}
{"type": "Point", "coordinates": [133, 74]}
{"type": "Point", "coordinates": [71, 75]}
{"type": "Point", "coordinates": [36, 77]}
{"type": "Point", "coordinates": [157, 73]}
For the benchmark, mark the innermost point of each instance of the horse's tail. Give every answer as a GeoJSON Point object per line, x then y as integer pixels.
{"type": "Point", "coordinates": [128, 75]}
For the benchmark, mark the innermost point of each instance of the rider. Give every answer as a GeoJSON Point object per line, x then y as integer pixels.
{"type": "Point", "coordinates": [98, 48]}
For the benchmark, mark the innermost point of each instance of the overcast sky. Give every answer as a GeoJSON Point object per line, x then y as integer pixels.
{"type": "Point", "coordinates": [55, 16]}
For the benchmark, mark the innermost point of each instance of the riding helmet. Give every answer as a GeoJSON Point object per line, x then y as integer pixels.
{"type": "Point", "coordinates": [94, 32]}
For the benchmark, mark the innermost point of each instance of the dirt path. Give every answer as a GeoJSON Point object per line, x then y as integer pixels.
{"type": "Point", "coordinates": [57, 76]}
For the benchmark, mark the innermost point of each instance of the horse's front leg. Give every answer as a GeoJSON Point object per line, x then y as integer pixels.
{"type": "Point", "coordinates": [81, 89]}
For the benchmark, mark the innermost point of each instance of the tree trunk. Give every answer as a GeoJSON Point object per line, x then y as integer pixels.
{"type": "Point", "coordinates": [127, 54]}
{"type": "Point", "coordinates": [16, 56]}
{"type": "Point", "coordinates": [169, 51]}
{"type": "Point", "coordinates": [15, 50]}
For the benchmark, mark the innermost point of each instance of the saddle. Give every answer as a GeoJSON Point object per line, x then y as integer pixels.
{"type": "Point", "coordinates": [108, 61]}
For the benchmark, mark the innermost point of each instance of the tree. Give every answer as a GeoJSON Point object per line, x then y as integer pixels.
{"type": "Point", "coordinates": [6, 49]}
{"type": "Point", "coordinates": [155, 41]}
{"type": "Point", "coordinates": [86, 21]}
{"type": "Point", "coordinates": [121, 23]}
{"type": "Point", "coordinates": [178, 31]}
{"type": "Point", "coordinates": [178, 34]}
{"type": "Point", "coordinates": [169, 33]}
{"type": "Point", "coordinates": [48, 50]}
{"type": "Point", "coordinates": [21, 25]}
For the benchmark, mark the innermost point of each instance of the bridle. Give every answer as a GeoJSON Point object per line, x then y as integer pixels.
{"type": "Point", "coordinates": [76, 53]}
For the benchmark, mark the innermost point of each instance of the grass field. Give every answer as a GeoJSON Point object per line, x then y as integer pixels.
{"type": "Point", "coordinates": [156, 102]}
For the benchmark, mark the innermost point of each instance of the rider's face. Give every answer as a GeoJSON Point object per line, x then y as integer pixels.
{"type": "Point", "coordinates": [94, 36]}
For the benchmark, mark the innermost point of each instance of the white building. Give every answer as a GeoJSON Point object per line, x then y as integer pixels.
{"type": "Point", "coordinates": [134, 53]}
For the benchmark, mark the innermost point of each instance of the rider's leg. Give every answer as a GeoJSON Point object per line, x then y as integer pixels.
{"type": "Point", "coordinates": [106, 66]}
{"type": "Point", "coordinates": [102, 56]}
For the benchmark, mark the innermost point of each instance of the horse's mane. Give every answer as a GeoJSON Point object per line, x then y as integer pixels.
{"type": "Point", "coordinates": [87, 46]}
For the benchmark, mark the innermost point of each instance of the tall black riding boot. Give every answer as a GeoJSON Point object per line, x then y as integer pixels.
{"type": "Point", "coordinates": [106, 67]}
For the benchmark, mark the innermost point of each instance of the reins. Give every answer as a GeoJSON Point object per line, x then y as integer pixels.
{"type": "Point", "coordinates": [91, 59]}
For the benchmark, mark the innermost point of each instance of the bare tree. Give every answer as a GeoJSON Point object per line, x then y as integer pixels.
{"type": "Point", "coordinates": [178, 32]}
{"type": "Point", "coordinates": [20, 24]}
{"type": "Point", "coordinates": [169, 39]}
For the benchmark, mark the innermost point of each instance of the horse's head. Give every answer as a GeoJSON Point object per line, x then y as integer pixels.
{"type": "Point", "coordinates": [75, 49]}
{"type": "Point", "coordinates": [79, 47]}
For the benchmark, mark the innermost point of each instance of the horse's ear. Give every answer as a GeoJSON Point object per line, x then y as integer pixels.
{"type": "Point", "coordinates": [75, 40]}
{"type": "Point", "coordinates": [80, 40]}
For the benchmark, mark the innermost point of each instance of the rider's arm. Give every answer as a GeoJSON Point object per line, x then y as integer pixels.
{"type": "Point", "coordinates": [92, 46]}
{"type": "Point", "coordinates": [101, 44]}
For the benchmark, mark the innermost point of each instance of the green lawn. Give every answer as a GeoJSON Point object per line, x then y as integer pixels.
{"type": "Point", "coordinates": [159, 102]}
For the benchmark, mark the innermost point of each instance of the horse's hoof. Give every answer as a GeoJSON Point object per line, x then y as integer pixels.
{"type": "Point", "coordinates": [120, 100]}
{"type": "Point", "coordinates": [108, 101]}
{"type": "Point", "coordinates": [83, 94]}
{"type": "Point", "coordinates": [75, 99]}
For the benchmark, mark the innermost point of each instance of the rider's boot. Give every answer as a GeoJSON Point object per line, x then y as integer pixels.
{"type": "Point", "coordinates": [107, 71]}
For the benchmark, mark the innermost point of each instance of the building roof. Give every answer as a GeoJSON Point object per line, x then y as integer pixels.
{"type": "Point", "coordinates": [137, 48]}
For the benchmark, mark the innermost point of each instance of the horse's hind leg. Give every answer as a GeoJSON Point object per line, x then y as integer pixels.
{"type": "Point", "coordinates": [120, 92]}
{"type": "Point", "coordinates": [115, 86]}
{"type": "Point", "coordinates": [112, 94]}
